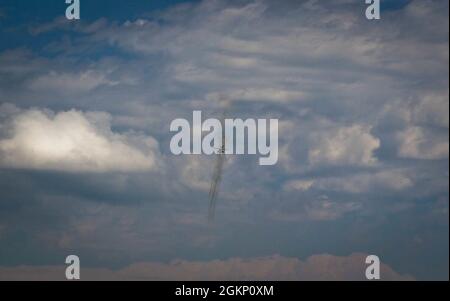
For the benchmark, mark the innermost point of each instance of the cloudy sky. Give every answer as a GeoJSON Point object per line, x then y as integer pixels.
{"type": "Point", "coordinates": [86, 168]}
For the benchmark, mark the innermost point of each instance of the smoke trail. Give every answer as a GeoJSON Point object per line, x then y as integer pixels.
{"type": "Point", "coordinates": [218, 169]}
{"type": "Point", "coordinates": [214, 189]}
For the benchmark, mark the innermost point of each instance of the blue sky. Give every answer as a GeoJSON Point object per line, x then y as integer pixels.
{"type": "Point", "coordinates": [86, 169]}
{"type": "Point", "coordinates": [20, 16]}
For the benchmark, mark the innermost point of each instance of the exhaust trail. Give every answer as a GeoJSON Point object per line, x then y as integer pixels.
{"type": "Point", "coordinates": [217, 176]}
{"type": "Point", "coordinates": [217, 173]}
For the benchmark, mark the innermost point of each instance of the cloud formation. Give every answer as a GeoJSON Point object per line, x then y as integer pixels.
{"type": "Point", "coordinates": [352, 145]}
{"type": "Point", "coordinates": [322, 267]}
{"type": "Point", "coordinates": [363, 110]}
{"type": "Point", "coordinates": [72, 141]}
{"type": "Point", "coordinates": [418, 143]}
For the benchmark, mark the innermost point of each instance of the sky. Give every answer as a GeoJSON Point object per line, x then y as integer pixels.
{"type": "Point", "coordinates": [86, 168]}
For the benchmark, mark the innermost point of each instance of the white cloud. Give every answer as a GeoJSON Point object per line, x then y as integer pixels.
{"type": "Point", "coordinates": [417, 143]}
{"type": "Point", "coordinates": [301, 185]}
{"type": "Point", "coordinates": [317, 267]}
{"type": "Point", "coordinates": [433, 108]}
{"type": "Point", "coordinates": [268, 94]}
{"type": "Point", "coordinates": [352, 145]}
{"type": "Point", "coordinates": [427, 109]}
{"type": "Point", "coordinates": [325, 209]}
{"type": "Point", "coordinates": [197, 172]}
{"type": "Point", "coordinates": [72, 141]}
{"type": "Point", "coordinates": [70, 82]}
{"type": "Point", "coordinates": [321, 208]}
{"type": "Point", "coordinates": [419, 125]}
{"type": "Point", "coordinates": [393, 180]}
